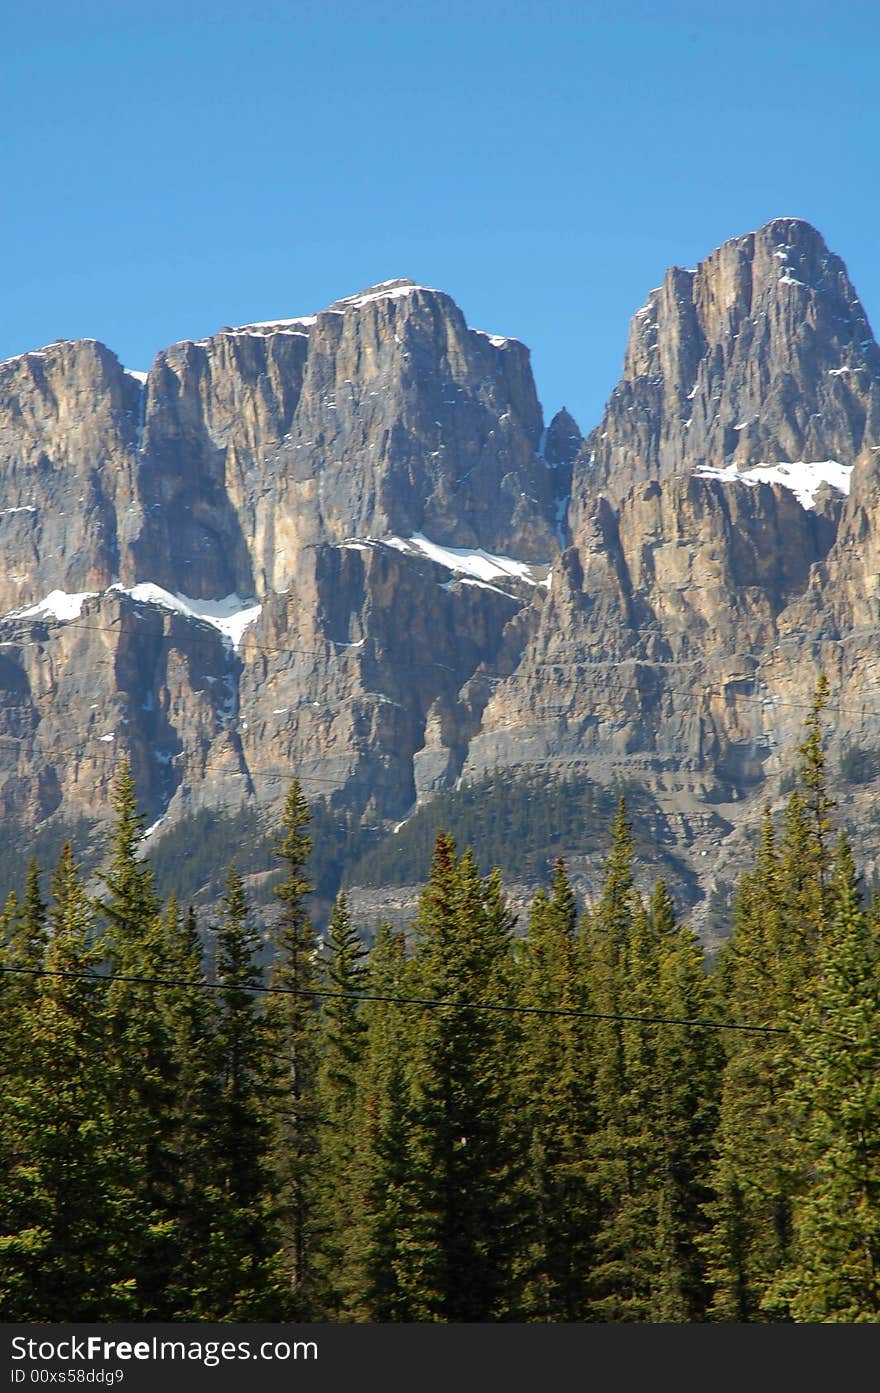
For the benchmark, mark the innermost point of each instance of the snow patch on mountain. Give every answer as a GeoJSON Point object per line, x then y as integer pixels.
{"type": "Point", "coordinates": [229, 616]}
{"type": "Point", "coordinates": [803, 477]}
{"type": "Point", "coordinates": [57, 605]}
{"type": "Point", "coordinates": [471, 561]}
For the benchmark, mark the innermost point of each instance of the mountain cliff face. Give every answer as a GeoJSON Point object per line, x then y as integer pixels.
{"type": "Point", "coordinates": [342, 546]}
{"type": "Point", "coordinates": [214, 568]}
{"type": "Point", "coordinates": [763, 354]}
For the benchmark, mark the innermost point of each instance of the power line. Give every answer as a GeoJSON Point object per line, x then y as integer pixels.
{"type": "Point", "coordinates": [431, 1003]}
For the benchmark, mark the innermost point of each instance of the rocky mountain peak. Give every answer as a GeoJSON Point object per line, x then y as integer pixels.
{"type": "Point", "coordinates": [563, 440]}
{"type": "Point", "coordinates": [762, 355]}
{"type": "Point", "coordinates": [393, 289]}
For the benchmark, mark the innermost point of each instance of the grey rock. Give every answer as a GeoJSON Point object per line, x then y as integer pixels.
{"type": "Point", "coordinates": [763, 353]}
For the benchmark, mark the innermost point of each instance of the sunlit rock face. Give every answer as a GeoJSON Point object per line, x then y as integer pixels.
{"type": "Point", "coordinates": [246, 509]}
{"type": "Point", "coordinates": [763, 354]}
{"type": "Point", "coordinates": [346, 546]}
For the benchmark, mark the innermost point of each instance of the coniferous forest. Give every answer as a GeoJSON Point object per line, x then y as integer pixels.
{"type": "Point", "coordinates": [573, 1120]}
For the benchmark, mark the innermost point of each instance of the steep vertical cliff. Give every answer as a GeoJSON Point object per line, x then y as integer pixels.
{"type": "Point", "coordinates": [346, 546]}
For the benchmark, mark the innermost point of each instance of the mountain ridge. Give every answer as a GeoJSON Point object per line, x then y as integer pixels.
{"type": "Point", "coordinates": [420, 579]}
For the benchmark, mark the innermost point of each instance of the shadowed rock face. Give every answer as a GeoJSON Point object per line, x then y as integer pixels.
{"type": "Point", "coordinates": [281, 469]}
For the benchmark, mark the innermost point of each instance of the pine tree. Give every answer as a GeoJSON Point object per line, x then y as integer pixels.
{"type": "Point", "coordinates": [835, 1270]}
{"type": "Point", "coordinates": [460, 1257]}
{"type": "Point", "coordinates": [23, 942]}
{"type": "Point", "coordinates": [66, 1251]}
{"type": "Point", "coordinates": [140, 1063]}
{"type": "Point", "coordinates": [239, 1279]}
{"type": "Point", "coordinates": [750, 1212]}
{"type": "Point", "coordinates": [603, 952]}
{"type": "Point", "coordinates": [292, 1029]}
{"type": "Point", "coordinates": [386, 1204]}
{"type": "Point", "coordinates": [626, 1142]}
{"type": "Point", "coordinates": [555, 1105]}
{"type": "Point", "coordinates": [689, 1063]}
{"type": "Point", "coordinates": [655, 1082]}
{"type": "Point", "coordinates": [817, 799]}
{"type": "Point", "coordinates": [605, 948]}
{"type": "Point", "coordinates": [130, 905]}
{"type": "Point", "coordinates": [343, 1040]}
{"type": "Point", "coordinates": [190, 1124]}
{"type": "Point", "coordinates": [766, 976]}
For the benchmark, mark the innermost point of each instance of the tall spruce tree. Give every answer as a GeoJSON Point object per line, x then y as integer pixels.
{"type": "Point", "coordinates": [386, 1204]}
{"type": "Point", "coordinates": [460, 1258]}
{"type": "Point", "coordinates": [834, 1274]}
{"type": "Point", "coordinates": [817, 800]}
{"type": "Point", "coordinates": [626, 1141]}
{"type": "Point", "coordinates": [555, 1105]}
{"type": "Point", "coordinates": [689, 1061]}
{"type": "Point", "coordinates": [655, 1081]}
{"type": "Point", "coordinates": [140, 1062]}
{"type": "Point", "coordinates": [239, 1281]}
{"type": "Point", "coordinates": [71, 1223]}
{"type": "Point", "coordinates": [604, 951]}
{"type": "Point", "coordinates": [750, 1216]}
{"type": "Point", "coordinates": [292, 1023]}
{"type": "Point", "coordinates": [188, 1126]}
{"type": "Point", "coordinates": [766, 975]}
{"type": "Point", "coordinates": [343, 1040]}
{"type": "Point", "coordinates": [23, 942]}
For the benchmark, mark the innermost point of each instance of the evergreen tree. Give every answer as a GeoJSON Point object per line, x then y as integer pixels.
{"type": "Point", "coordinates": [817, 799]}
{"type": "Point", "coordinates": [655, 1082]}
{"type": "Point", "coordinates": [189, 1123]}
{"type": "Point", "coordinates": [767, 975]}
{"type": "Point", "coordinates": [835, 1271]}
{"type": "Point", "coordinates": [239, 1278]}
{"type": "Point", "coordinates": [343, 1039]}
{"type": "Point", "coordinates": [750, 1216]}
{"type": "Point", "coordinates": [23, 942]}
{"type": "Point", "coordinates": [140, 1062]}
{"type": "Point", "coordinates": [130, 906]}
{"type": "Point", "coordinates": [625, 1144]}
{"type": "Point", "coordinates": [66, 1251]}
{"type": "Point", "coordinates": [460, 1256]}
{"type": "Point", "coordinates": [386, 1204]}
{"type": "Point", "coordinates": [556, 1107]}
{"type": "Point", "coordinates": [292, 1029]}
{"type": "Point", "coordinates": [605, 948]}
{"type": "Point", "coordinates": [689, 1063]}
{"type": "Point", "coordinates": [603, 952]}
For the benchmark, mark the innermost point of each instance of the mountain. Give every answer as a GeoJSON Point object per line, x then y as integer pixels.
{"type": "Point", "coordinates": [347, 546]}
{"type": "Point", "coordinates": [213, 567]}
{"type": "Point", "coordinates": [762, 354]}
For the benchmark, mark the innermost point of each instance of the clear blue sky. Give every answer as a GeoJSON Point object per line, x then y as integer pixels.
{"type": "Point", "coordinates": [168, 169]}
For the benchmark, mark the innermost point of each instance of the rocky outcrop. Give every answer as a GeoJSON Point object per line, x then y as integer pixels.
{"type": "Point", "coordinates": [274, 473]}
{"type": "Point", "coordinates": [382, 415]}
{"type": "Point", "coordinates": [762, 354]}
{"type": "Point", "coordinates": [69, 420]}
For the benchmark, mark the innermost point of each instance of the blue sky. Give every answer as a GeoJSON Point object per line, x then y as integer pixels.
{"type": "Point", "coordinates": [168, 169]}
